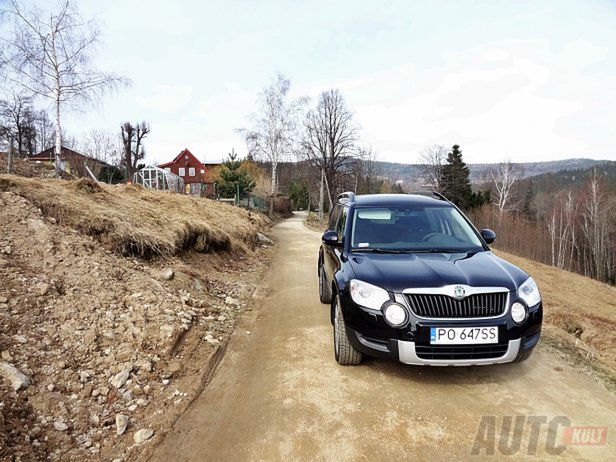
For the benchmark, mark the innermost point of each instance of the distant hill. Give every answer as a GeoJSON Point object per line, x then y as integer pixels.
{"type": "Point", "coordinates": [553, 182]}
{"type": "Point", "coordinates": [410, 174]}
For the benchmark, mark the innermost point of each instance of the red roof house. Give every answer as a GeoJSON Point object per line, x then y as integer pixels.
{"type": "Point", "coordinates": [192, 170]}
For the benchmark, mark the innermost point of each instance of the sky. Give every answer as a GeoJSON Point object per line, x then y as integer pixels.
{"type": "Point", "coordinates": [507, 80]}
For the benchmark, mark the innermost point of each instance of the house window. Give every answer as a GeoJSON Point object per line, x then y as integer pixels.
{"type": "Point", "coordinates": [202, 171]}
{"type": "Point", "coordinates": [182, 171]}
{"type": "Point", "coordinates": [191, 171]}
{"type": "Point", "coordinates": [168, 169]}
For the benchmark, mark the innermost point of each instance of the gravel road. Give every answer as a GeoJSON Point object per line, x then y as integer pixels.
{"type": "Point", "coordinates": [278, 394]}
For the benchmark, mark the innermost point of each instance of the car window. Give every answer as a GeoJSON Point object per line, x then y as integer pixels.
{"type": "Point", "coordinates": [333, 217]}
{"type": "Point", "coordinates": [417, 227]}
{"type": "Point", "coordinates": [341, 222]}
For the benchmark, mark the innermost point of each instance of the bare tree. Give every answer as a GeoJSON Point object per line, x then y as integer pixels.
{"type": "Point", "coordinates": [17, 121]}
{"type": "Point", "coordinates": [596, 228]}
{"type": "Point", "coordinates": [370, 171]}
{"type": "Point", "coordinates": [49, 54]}
{"type": "Point", "coordinates": [330, 138]}
{"type": "Point", "coordinates": [132, 142]}
{"type": "Point", "coordinates": [432, 160]}
{"type": "Point", "coordinates": [504, 178]}
{"type": "Point", "coordinates": [273, 134]}
{"type": "Point", "coordinates": [44, 131]}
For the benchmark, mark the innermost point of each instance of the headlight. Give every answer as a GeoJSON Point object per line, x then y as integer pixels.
{"type": "Point", "coordinates": [395, 315]}
{"type": "Point", "coordinates": [529, 292]}
{"type": "Point", "coordinates": [518, 312]}
{"type": "Point", "coordinates": [367, 295]}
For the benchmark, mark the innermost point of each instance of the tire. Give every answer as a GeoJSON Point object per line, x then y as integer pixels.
{"type": "Point", "coordinates": [344, 352]}
{"type": "Point", "coordinates": [325, 290]}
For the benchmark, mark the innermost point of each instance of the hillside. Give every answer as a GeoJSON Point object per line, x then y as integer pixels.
{"type": "Point", "coordinates": [410, 174]}
{"type": "Point", "coordinates": [113, 301]}
{"type": "Point", "coordinates": [579, 313]}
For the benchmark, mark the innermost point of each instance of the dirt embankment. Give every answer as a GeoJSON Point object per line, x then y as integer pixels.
{"type": "Point", "coordinates": [579, 314]}
{"type": "Point", "coordinates": [113, 300]}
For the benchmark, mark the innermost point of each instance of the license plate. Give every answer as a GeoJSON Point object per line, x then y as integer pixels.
{"type": "Point", "coordinates": [463, 335]}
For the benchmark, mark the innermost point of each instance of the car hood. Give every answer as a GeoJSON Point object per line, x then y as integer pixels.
{"type": "Point", "coordinates": [396, 272]}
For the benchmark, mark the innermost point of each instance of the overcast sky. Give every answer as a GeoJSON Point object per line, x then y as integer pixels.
{"type": "Point", "coordinates": [520, 80]}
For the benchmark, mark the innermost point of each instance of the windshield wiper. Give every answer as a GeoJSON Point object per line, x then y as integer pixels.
{"type": "Point", "coordinates": [379, 250]}
{"type": "Point", "coordinates": [376, 250]}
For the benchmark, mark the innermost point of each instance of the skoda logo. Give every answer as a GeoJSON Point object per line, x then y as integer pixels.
{"type": "Point", "coordinates": [459, 292]}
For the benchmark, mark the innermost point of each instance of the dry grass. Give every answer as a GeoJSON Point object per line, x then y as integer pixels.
{"type": "Point", "coordinates": [139, 222]}
{"type": "Point", "coordinates": [313, 222]}
{"type": "Point", "coordinates": [579, 313]}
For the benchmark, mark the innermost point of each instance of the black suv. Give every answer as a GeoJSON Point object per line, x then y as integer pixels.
{"type": "Point", "coordinates": [409, 277]}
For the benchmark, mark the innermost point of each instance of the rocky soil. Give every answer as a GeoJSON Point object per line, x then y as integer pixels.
{"type": "Point", "coordinates": [101, 352]}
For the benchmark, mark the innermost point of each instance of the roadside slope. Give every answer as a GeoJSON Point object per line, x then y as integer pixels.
{"type": "Point", "coordinates": [112, 301]}
{"type": "Point", "coordinates": [579, 313]}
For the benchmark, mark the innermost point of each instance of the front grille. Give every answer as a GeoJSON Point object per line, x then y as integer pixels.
{"type": "Point", "coordinates": [443, 306]}
{"type": "Point", "coordinates": [461, 352]}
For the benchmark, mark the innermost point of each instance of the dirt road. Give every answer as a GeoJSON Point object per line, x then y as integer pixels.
{"type": "Point", "coordinates": [279, 395]}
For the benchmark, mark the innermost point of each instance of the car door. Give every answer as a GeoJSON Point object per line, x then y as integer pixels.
{"type": "Point", "coordinates": [328, 254]}
{"type": "Point", "coordinates": [334, 253]}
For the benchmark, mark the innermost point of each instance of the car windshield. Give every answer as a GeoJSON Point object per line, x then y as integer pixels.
{"type": "Point", "coordinates": [412, 228]}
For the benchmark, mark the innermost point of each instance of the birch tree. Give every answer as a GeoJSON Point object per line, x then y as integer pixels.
{"type": "Point", "coordinates": [504, 178]}
{"type": "Point", "coordinates": [273, 134]}
{"type": "Point", "coordinates": [49, 53]}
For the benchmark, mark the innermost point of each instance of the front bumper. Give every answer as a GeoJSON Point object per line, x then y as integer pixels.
{"type": "Point", "coordinates": [408, 355]}
{"type": "Point", "coordinates": [369, 333]}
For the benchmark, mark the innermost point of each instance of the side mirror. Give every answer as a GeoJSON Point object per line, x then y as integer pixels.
{"type": "Point", "coordinates": [488, 235]}
{"type": "Point", "coordinates": [330, 237]}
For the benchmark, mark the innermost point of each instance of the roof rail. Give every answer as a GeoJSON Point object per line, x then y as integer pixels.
{"type": "Point", "coordinates": [346, 197]}
{"type": "Point", "coordinates": [440, 196]}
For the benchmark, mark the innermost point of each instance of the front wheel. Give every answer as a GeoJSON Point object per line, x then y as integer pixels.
{"type": "Point", "coordinates": [345, 354]}
{"type": "Point", "coordinates": [325, 291]}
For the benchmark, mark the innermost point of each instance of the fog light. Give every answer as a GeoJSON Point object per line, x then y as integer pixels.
{"type": "Point", "coordinates": [395, 315]}
{"type": "Point", "coordinates": [518, 312]}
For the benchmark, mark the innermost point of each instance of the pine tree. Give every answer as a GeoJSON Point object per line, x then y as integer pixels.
{"type": "Point", "coordinates": [233, 175]}
{"type": "Point", "coordinates": [455, 182]}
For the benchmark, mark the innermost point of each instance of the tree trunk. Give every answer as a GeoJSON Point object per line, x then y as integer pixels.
{"type": "Point", "coordinates": [9, 164]}
{"type": "Point", "coordinates": [58, 148]}
{"type": "Point", "coordinates": [321, 196]}
{"type": "Point", "coordinates": [271, 208]}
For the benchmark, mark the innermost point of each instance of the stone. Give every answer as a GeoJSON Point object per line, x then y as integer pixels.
{"type": "Point", "coordinates": [12, 374]}
{"type": "Point", "coordinates": [168, 274]}
{"type": "Point", "coordinates": [43, 288]}
{"type": "Point", "coordinates": [143, 435]}
{"type": "Point", "coordinates": [232, 301]}
{"type": "Point", "coordinates": [60, 426]}
{"type": "Point", "coordinates": [4, 300]}
{"type": "Point", "coordinates": [121, 423]}
{"type": "Point", "coordinates": [6, 355]}
{"type": "Point", "coordinates": [264, 239]}
{"type": "Point", "coordinates": [213, 341]}
{"type": "Point", "coordinates": [21, 338]}
{"type": "Point", "coordinates": [120, 378]}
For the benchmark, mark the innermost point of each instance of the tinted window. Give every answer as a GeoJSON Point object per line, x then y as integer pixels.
{"type": "Point", "coordinates": [333, 217]}
{"type": "Point", "coordinates": [413, 228]}
{"type": "Point", "coordinates": [341, 222]}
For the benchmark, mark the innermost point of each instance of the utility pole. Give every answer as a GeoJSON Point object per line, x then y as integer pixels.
{"type": "Point", "coordinates": [9, 162]}
{"type": "Point", "coordinates": [321, 196]}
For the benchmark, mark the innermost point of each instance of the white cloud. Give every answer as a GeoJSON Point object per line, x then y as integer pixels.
{"type": "Point", "coordinates": [166, 98]}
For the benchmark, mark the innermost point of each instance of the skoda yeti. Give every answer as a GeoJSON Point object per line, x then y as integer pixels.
{"type": "Point", "coordinates": [409, 277]}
